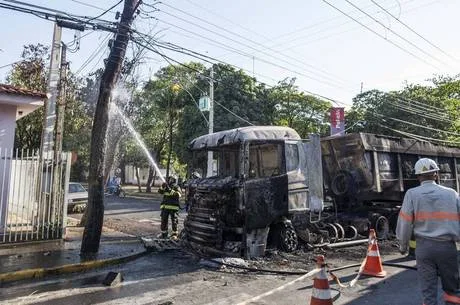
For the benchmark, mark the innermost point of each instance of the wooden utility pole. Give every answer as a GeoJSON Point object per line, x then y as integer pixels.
{"type": "Point", "coordinates": [93, 228]}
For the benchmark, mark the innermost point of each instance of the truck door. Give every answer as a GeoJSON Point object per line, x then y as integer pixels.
{"type": "Point", "coordinates": [296, 170]}
{"type": "Point", "coordinates": [265, 185]}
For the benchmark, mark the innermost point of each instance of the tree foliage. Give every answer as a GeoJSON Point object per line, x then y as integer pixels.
{"type": "Point", "coordinates": [422, 112]}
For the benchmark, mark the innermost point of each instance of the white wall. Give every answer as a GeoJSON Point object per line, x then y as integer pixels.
{"type": "Point", "coordinates": [7, 127]}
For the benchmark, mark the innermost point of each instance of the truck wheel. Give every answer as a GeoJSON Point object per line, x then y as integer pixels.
{"type": "Point", "coordinates": [342, 183]}
{"type": "Point", "coordinates": [287, 240]}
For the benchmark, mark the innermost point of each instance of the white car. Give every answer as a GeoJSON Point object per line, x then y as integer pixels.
{"type": "Point", "coordinates": [77, 198]}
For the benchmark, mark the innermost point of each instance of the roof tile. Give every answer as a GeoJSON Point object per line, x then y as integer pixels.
{"type": "Point", "coordinates": [8, 89]}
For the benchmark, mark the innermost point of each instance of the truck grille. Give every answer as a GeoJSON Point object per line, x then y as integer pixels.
{"type": "Point", "coordinates": [202, 227]}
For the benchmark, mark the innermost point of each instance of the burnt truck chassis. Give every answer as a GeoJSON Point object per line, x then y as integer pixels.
{"type": "Point", "coordinates": [364, 176]}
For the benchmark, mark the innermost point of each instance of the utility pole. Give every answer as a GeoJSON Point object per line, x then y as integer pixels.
{"type": "Point", "coordinates": [53, 92]}
{"type": "Point", "coordinates": [95, 209]}
{"type": "Point", "coordinates": [59, 128]}
{"type": "Point", "coordinates": [211, 119]}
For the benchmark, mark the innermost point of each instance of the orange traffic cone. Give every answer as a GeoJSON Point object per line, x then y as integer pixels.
{"type": "Point", "coordinates": [373, 264]}
{"type": "Point", "coordinates": [321, 293]}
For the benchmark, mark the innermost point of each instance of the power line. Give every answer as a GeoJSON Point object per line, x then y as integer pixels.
{"type": "Point", "coordinates": [47, 13]}
{"type": "Point", "coordinates": [419, 113]}
{"type": "Point", "coordinates": [288, 44]}
{"type": "Point", "coordinates": [214, 101]}
{"type": "Point", "coordinates": [412, 30]}
{"type": "Point", "coordinates": [91, 5]}
{"type": "Point", "coordinates": [200, 56]}
{"type": "Point", "coordinates": [228, 20]}
{"type": "Point", "coordinates": [93, 55]}
{"type": "Point", "coordinates": [302, 29]}
{"type": "Point", "coordinates": [380, 35]}
{"type": "Point", "coordinates": [418, 137]}
{"type": "Point", "coordinates": [250, 56]}
{"type": "Point", "coordinates": [107, 10]}
{"type": "Point", "coordinates": [394, 32]}
{"type": "Point", "coordinates": [418, 125]}
{"type": "Point", "coordinates": [247, 39]}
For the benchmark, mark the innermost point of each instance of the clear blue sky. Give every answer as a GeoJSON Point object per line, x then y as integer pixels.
{"type": "Point", "coordinates": [327, 52]}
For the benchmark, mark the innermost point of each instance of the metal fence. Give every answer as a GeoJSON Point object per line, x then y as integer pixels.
{"type": "Point", "coordinates": [33, 192]}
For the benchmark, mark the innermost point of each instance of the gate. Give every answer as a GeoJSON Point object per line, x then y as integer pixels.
{"type": "Point", "coordinates": [33, 192]}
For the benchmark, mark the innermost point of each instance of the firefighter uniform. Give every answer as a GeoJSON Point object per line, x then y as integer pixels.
{"type": "Point", "coordinates": [169, 208]}
{"type": "Point", "coordinates": [433, 213]}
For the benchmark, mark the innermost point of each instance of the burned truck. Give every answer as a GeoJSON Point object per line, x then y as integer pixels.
{"type": "Point", "coordinates": [263, 178]}
{"type": "Point", "coordinates": [269, 187]}
{"type": "Point", "coordinates": [367, 175]}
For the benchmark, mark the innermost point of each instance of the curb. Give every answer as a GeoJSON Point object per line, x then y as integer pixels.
{"type": "Point", "coordinates": [78, 267]}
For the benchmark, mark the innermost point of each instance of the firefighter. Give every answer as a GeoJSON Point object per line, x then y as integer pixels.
{"type": "Point", "coordinates": [169, 207]}
{"type": "Point", "coordinates": [433, 213]}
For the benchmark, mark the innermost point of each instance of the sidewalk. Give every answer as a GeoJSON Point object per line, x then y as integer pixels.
{"type": "Point", "coordinates": [38, 259]}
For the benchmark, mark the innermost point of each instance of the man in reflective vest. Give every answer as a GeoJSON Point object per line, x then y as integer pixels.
{"type": "Point", "coordinates": [433, 213]}
{"type": "Point", "coordinates": [169, 207]}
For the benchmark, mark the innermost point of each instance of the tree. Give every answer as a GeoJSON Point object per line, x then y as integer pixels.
{"type": "Point", "coordinates": [423, 112]}
{"type": "Point", "coordinates": [305, 113]}
{"type": "Point", "coordinates": [30, 73]}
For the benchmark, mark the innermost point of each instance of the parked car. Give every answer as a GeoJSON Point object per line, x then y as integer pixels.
{"type": "Point", "coordinates": [77, 198]}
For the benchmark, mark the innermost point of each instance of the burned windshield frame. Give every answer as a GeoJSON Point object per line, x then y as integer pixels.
{"type": "Point", "coordinates": [265, 159]}
{"type": "Point", "coordinates": [226, 161]}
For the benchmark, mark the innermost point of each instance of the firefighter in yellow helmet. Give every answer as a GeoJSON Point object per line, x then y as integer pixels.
{"type": "Point", "coordinates": [432, 212]}
{"type": "Point", "coordinates": [170, 207]}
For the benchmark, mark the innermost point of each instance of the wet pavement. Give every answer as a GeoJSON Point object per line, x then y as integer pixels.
{"type": "Point", "coordinates": [59, 253]}
{"type": "Point", "coordinates": [176, 277]}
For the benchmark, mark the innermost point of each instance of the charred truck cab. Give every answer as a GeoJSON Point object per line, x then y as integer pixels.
{"type": "Point", "coordinates": [265, 181]}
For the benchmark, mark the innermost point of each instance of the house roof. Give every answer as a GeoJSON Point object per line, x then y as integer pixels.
{"type": "Point", "coordinates": [7, 89]}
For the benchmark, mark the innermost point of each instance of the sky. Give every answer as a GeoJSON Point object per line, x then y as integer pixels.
{"type": "Point", "coordinates": [327, 52]}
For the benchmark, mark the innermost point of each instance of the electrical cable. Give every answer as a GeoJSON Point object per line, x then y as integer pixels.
{"type": "Point", "coordinates": [380, 35]}
{"type": "Point", "coordinates": [307, 91]}
{"type": "Point", "coordinates": [231, 112]}
{"type": "Point", "coordinates": [251, 56]}
{"type": "Point", "coordinates": [264, 47]}
{"type": "Point", "coordinates": [419, 137]}
{"type": "Point", "coordinates": [106, 11]}
{"type": "Point", "coordinates": [93, 55]}
{"type": "Point", "coordinates": [412, 30]}
{"type": "Point", "coordinates": [320, 23]}
{"type": "Point", "coordinates": [417, 125]}
{"type": "Point", "coordinates": [394, 32]}
{"type": "Point", "coordinates": [418, 112]}
{"type": "Point", "coordinates": [46, 13]}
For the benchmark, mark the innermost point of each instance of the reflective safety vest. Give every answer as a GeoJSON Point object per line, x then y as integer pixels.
{"type": "Point", "coordinates": [170, 198]}
{"type": "Point", "coordinates": [431, 211]}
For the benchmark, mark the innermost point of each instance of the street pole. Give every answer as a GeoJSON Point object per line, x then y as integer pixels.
{"type": "Point", "coordinates": [59, 128]}
{"type": "Point", "coordinates": [53, 92]}
{"type": "Point", "coordinates": [95, 208]}
{"type": "Point", "coordinates": [211, 119]}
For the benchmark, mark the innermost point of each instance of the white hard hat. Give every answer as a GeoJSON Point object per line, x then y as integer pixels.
{"type": "Point", "coordinates": [425, 166]}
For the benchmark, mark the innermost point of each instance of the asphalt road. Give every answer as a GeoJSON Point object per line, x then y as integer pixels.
{"type": "Point", "coordinates": [135, 216]}
{"type": "Point", "coordinates": [176, 277]}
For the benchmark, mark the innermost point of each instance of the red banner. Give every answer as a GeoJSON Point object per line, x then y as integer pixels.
{"type": "Point", "coordinates": [337, 120]}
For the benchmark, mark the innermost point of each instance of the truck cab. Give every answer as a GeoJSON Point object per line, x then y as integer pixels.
{"type": "Point", "coordinates": [264, 179]}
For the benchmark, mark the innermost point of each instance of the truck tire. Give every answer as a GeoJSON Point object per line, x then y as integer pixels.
{"type": "Point", "coordinates": [342, 183]}
{"type": "Point", "coordinates": [286, 236]}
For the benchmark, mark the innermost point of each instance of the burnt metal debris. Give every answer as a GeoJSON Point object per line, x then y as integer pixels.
{"type": "Point", "coordinates": [270, 188]}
